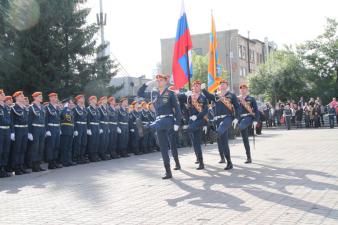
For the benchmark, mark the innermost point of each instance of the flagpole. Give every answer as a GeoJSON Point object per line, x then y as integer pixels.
{"type": "Point", "coordinates": [189, 75]}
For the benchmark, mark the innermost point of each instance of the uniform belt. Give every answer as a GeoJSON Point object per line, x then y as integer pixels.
{"type": "Point", "coordinates": [4, 127]}
{"type": "Point", "coordinates": [67, 124]}
{"type": "Point", "coordinates": [104, 122]}
{"type": "Point", "coordinates": [247, 114]}
{"type": "Point", "coordinates": [92, 123]}
{"type": "Point", "coordinates": [163, 116]}
{"type": "Point", "coordinates": [38, 125]}
{"type": "Point", "coordinates": [79, 122]}
{"type": "Point", "coordinates": [123, 123]}
{"type": "Point", "coordinates": [332, 114]}
{"type": "Point", "coordinates": [114, 123]}
{"type": "Point", "coordinates": [145, 123]}
{"type": "Point", "coordinates": [21, 126]}
{"type": "Point", "coordinates": [220, 117]}
{"type": "Point", "coordinates": [53, 124]}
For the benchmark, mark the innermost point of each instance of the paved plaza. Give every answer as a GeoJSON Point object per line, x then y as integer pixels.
{"type": "Point", "coordinates": [293, 180]}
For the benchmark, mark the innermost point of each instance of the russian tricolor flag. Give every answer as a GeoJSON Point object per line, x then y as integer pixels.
{"type": "Point", "coordinates": [182, 61]}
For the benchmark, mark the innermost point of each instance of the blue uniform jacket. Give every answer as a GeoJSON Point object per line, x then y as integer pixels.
{"type": "Point", "coordinates": [251, 101]}
{"type": "Point", "coordinates": [67, 122]}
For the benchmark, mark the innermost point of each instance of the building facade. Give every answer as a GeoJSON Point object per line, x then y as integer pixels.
{"type": "Point", "coordinates": [239, 55]}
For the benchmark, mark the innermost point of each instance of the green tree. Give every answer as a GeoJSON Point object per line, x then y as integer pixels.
{"type": "Point", "coordinates": [54, 52]}
{"type": "Point", "coordinates": [282, 77]}
{"type": "Point", "coordinates": [321, 59]}
{"type": "Point", "coordinates": [200, 68]}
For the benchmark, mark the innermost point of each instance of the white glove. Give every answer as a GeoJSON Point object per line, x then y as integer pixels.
{"type": "Point", "coordinates": [203, 86]}
{"type": "Point", "coordinates": [188, 93]}
{"type": "Point", "coordinates": [193, 118]}
{"type": "Point", "coordinates": [185, 127]}
{"type": "Point", "coordinates": [254, 124]}
{"type": "Point", "coordinates": [89, 132]}
{"type": "Point", "coordinates": [234, 123]}
{"type": "Point", "coordinates": [176, 127]}
{"type": "Point", "coordinates": [60, 132]}
{"type": "Point", "coordinates": [30, 136]}
{"type": "Point", "coordinates": [48, 133]}
{"type": "Point", "coordinates": [12, 136]}
{"type": "Point", "coordinates": [132, 130]}
{"type": "Point", "coordinates": [108, 131]}
{"type": "Point", "coordinates": [205, 129]}
{"type": "Point", "coordinates": [118, 130]}
{"type": "Point", "coordinates": [101, 131]}
{"type": "Point", "coordinates": [76, 133]}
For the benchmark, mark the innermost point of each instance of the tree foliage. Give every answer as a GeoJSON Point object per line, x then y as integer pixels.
{"type": "Point", "coordinates": [54, 53]}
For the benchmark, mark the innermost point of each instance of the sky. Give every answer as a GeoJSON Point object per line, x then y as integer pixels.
{"type": "Point", "coordinates": [134, 27]}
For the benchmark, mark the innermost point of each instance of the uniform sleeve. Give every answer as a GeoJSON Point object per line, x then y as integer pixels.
{"type": "Point", "coordinates": [12, 120]}
{"type": "Point", "coordinates": [30, 119]}
{"type": "Point", "coordinates": [204, 111]}
{"type": "Point", "coordinates": [209, 96]}
{"type": "Point", "coordinates": [142, 92]}
{"type": "Point", "coordinates": [176, 108]}
{"type": "Point", "coordinates": [255, 108]}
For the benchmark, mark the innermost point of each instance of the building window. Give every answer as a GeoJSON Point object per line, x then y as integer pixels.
{"type": "Point", "coordinates": [257, 59]}
{"type": "Point", "coordinates": [252, 56]}
{"type": "Point", "coordinates": [240, 55]}
{"type": "Point", "coordinates": [244, 53]}
{"type": "Point", "coordinates": [242, 71]}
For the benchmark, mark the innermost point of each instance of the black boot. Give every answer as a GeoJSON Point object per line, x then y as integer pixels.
{"type": "Point", "coordinates": [17, 170]}
{"type": "Point", "coordinates": [201, 164]}
{"type": "Point", "coordinates": [248, 158]}
{"type": "Point", "coordinates": [177, 163]}
{"type": "Point", "coordinates": [229, 163]}
{"type": "Point", "coordinates": [35, 167]}
{"type": "Point", "coordinates": [24, 170]}
{"type": "Point", "coordinates": [168, 174]}
{"type": "Point", "coordinates": [4, 172]}
{"type": "Point", "coordinates": [197, 162]}
{"type": "Point", "coordinates": [222, 160]}
{"type": "Point", "coordinates": [51, 165]}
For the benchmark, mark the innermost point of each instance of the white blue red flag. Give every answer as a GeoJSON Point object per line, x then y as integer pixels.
{"type": "Point", "coordinates": [182, 61]}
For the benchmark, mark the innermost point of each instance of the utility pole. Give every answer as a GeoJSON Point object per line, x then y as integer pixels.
{"type": "Point", "coordinates": [101, 21]}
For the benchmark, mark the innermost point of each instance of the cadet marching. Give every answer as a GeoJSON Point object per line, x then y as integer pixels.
{"type": "Point", "coordinates": [66, 133]}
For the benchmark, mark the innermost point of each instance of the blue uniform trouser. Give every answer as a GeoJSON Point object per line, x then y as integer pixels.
{"type": "Point", "coordinates": [112, 140]}
{"type": "Point", "coordinates": [80, 142]}
{"type": "Point", "coordinates": [145, 141]}
{"type": "Point", "coordinates": [223, 139]}
{"type": "Point", "coordinates": [104, 140]}
{"type": "Point", "coordinates": [194, 130]}
{"type": "Point", "coordinates": [53, 144]}
{"type": "Point", "coordinates": [244, 124]}
{"type": "Point", "coordinates": [123, 139]}
{"type": "Point", "coordinates": [5, 144]}
{"type": "Point", "coordinates": [37, 145]}
{"type": "Point", "coordinates": [93, 141]}
{"type": "Point", "coordinates": [66, 149]}
{"type": "Point", "coordinates": [19, 146]}
{"type": "Point", "coordinates": [165, 133]}
{"type": "Point", "coordinates": [134, 141]}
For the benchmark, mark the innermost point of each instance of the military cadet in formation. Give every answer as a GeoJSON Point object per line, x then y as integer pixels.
{"type": "Point", "coordinates": [104, 129]}
{"type": "Point", "coordinates": [153, 135]}
{"type": "Point", "coordinates": [226, 114]}
{"type": "Point", "coordinates": [249, 115]}
{"type": "Point", "coordinates": [123, 127]}
{"type": "Point", "coordinates": [80, 131]}
{"type": "Point", "coordinates": [37, 131]}
{"type": "Point", "coordinates": [168, 119]}
{"type": "Point", "coordinates": [134, 118]}
{"type": "Point", "coordinates": [113, 120]}
{"type": "Point", "coordinates": [146, 119]}
{"type": "Point", "coordinates": [198, 110]}
{"type": "Point", "coordinates": [93, 129]}
{"type": "Point", "coordinates": [5, 134]}
{"type": "Point", "coordinates": [19, 133]}
{"type": "Point", "coordinates": [53, 132]}
{"type": "Point", "coordinates": [67, 133]}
